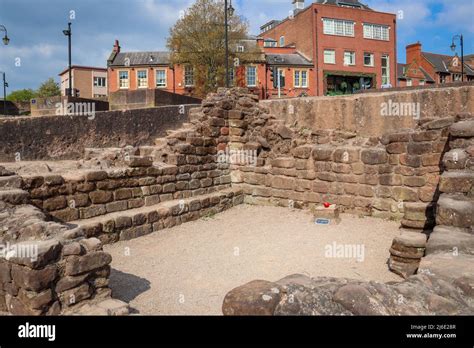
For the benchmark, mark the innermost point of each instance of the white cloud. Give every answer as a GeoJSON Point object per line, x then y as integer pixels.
{"type": "Point", "coordinates": [166, 14]}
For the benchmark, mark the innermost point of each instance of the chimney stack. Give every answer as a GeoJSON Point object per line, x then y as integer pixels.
{"type": "Point", "coordinates": [414, 52]}
{"type": "Point", "coordinates": [298, 5]}
{"type": "Point", "coordinates": [116, 47]}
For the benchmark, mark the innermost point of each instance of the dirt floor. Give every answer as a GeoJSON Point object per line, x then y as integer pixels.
{"type": "Point", "coordinates": [187, 270]}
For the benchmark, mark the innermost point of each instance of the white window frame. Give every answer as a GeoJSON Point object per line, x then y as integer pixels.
{"type": "Point", "coordinates": [165, 77]}
{"type": "Point", "coordinates": [376, 32]}
{"type": "Point", "coordinates": [188, 75]}
{"type": "Point", "coordinates": [338, 27]}
{"type": "Point", "coordinates": [422, 82]}
{"type": "Point", "coordinates": [282, 41]}
{"type": "Point", "coordinates": [333, 55]}
{"type": "Point", "coordinates": [124, 83]}
{"type": "Point", "coordinates": [387, 75]}
{"type": "Point", "coordinates": [270, 44]}
{"type": "Point", "coordinates": [409, 82]}
{"type": "Point", "coordinates": [141, 79]}
{"type": "Point", "coordinates": [299, 80]}
{"type": "Point", "coordinates": [372, 59]}
{"type": "Point", "coordinates": [100, 78]}
{"type": "Point", "coordinates": [247, 75]}
{"type": "Point", "coordinates": [349, 58]}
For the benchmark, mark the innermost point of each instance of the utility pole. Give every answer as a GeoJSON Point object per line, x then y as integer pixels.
{"type": "Point", "coordinates": [279, 82]}
{"type": "Point", "coordinates": [453, 47]}
{"type": "Point", "coordinates": [228, 11]}
{"type": "Point", "coordinates": [68, 33]}
{"type": "Point", "coordinates": [5, 84]}
{"type": "Point", "coordinates": [226, 46]}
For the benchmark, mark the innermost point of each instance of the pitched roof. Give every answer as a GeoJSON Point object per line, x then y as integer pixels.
{"type": "Point", "coordinates": [141, 58]}
{"type": "Point", "coordinates": [286, 59]}
{"type": "Point", "coordinates": [441, 62]}
{"type": "Point", "coordinates": [401, 75]}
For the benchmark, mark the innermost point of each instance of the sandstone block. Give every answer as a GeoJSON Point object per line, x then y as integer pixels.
{"type": "Point", "coordinates": [87, 263]}
{"type": "Point", "coordinates": [374, 156]}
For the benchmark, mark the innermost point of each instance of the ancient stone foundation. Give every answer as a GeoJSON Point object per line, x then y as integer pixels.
{"type": "Point", "coordinates": [233, 150]}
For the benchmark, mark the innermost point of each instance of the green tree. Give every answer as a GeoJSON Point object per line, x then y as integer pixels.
{"type": "Point", "coordinates": [198, 39]}
{"type": "Point", "coordinates": [49, 88]}
{"type": "Point", "coordinates": [21, 95]}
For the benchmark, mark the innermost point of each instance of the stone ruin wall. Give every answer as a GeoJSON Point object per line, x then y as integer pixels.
{"type": "Point", "coordinates": [134, 191]}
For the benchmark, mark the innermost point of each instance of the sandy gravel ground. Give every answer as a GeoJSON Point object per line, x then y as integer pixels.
{"type": "Point", "coordinates": [187, 270]}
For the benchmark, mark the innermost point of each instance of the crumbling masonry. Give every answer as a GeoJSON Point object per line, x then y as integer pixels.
{"type": "Point", "coordinates": [234, 150]}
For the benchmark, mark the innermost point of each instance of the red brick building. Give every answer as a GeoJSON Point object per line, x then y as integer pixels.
{"type": "Point", "coordinates": [261, 75]}
{"type": "Point", "coordinates": [147, 70]}
{"type": "Point", "coordinates": [351, 46]}
{"type": "Point", "coordinates": [431, 68]}
{"type": "Point", "coordinates": [329, 47]}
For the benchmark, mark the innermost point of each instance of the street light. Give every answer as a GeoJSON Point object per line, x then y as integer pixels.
{"type": "Point", "coordinates": [228, 11]}
{"type": "Point", "coordinates": [453, 48]}
{"type": "Point", "coordinates": [5, 39]}
{"type": "Point", "coordinates": [68, 33]}
{"type": "Point", "coordinates": [5, 85]}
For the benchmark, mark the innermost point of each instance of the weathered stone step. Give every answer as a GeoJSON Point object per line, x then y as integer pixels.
{"type": "Point", "coordinates": [455, 159]}
{"type": "Point", "coordinates": [161, 142]}
{"type": "Point", "coordinates": [14, 196]}
{"type": "Point", "coordinates": [445, 239]}
{"type": "Point", "coordinates": [5, 172]}
{"type": "Point", "coordinates": [450, 266]}
{"type": "Point", "coordinates": [463, 129]}
{"type": "Point", "coordinates": [9, 182]}
{"type": "Point", "coordinates": [455, 210]}
{"type": "Point", "coordinates": [457, 182]}
{"type": "Point", "coordinates": [147, 151]}
{"type": "Point", "coordinates": [133, 223]}
{"type": "Point", "coordinates": [181, 133]}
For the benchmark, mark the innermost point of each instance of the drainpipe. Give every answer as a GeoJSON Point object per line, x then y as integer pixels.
{"type": "Point", "coordinates": [395, 60]}
{"type": "Point", "coordinates": [315, 49]}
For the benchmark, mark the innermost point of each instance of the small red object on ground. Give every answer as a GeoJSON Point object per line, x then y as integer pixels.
{"type": "Point", "coordinates": [327, 205]}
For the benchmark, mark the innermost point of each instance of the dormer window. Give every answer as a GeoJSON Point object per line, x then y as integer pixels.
{"type": "Point", "coordinates": [240, 48]}
{"type": "Point", "coordinates": [282, 41]}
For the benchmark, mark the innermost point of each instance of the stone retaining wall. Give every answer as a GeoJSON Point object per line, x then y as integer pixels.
{"type": "Point", "coordinates": [48, 268]}
{"type": "Point", "coordinates": [362, 113]}
{"type": "Point", "coordinates": [300, 167]}
{"type": "Point", "coordinates": [66, 137]}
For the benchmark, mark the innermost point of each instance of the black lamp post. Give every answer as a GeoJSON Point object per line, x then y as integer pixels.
{"type": "Point", "coordinates": [5, 39]}
{"type": "Point", "coordinates": [453, 48]}
{"type": "Point", "coordinates": [5, 85]}
{"type": "Point", "coordinates": [229, 11]}
{"type": "Point", "coordinates": [68, 33]}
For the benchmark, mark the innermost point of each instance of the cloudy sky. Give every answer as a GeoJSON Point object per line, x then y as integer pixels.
{"type": "Point", "coordinates": [38, 48]}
